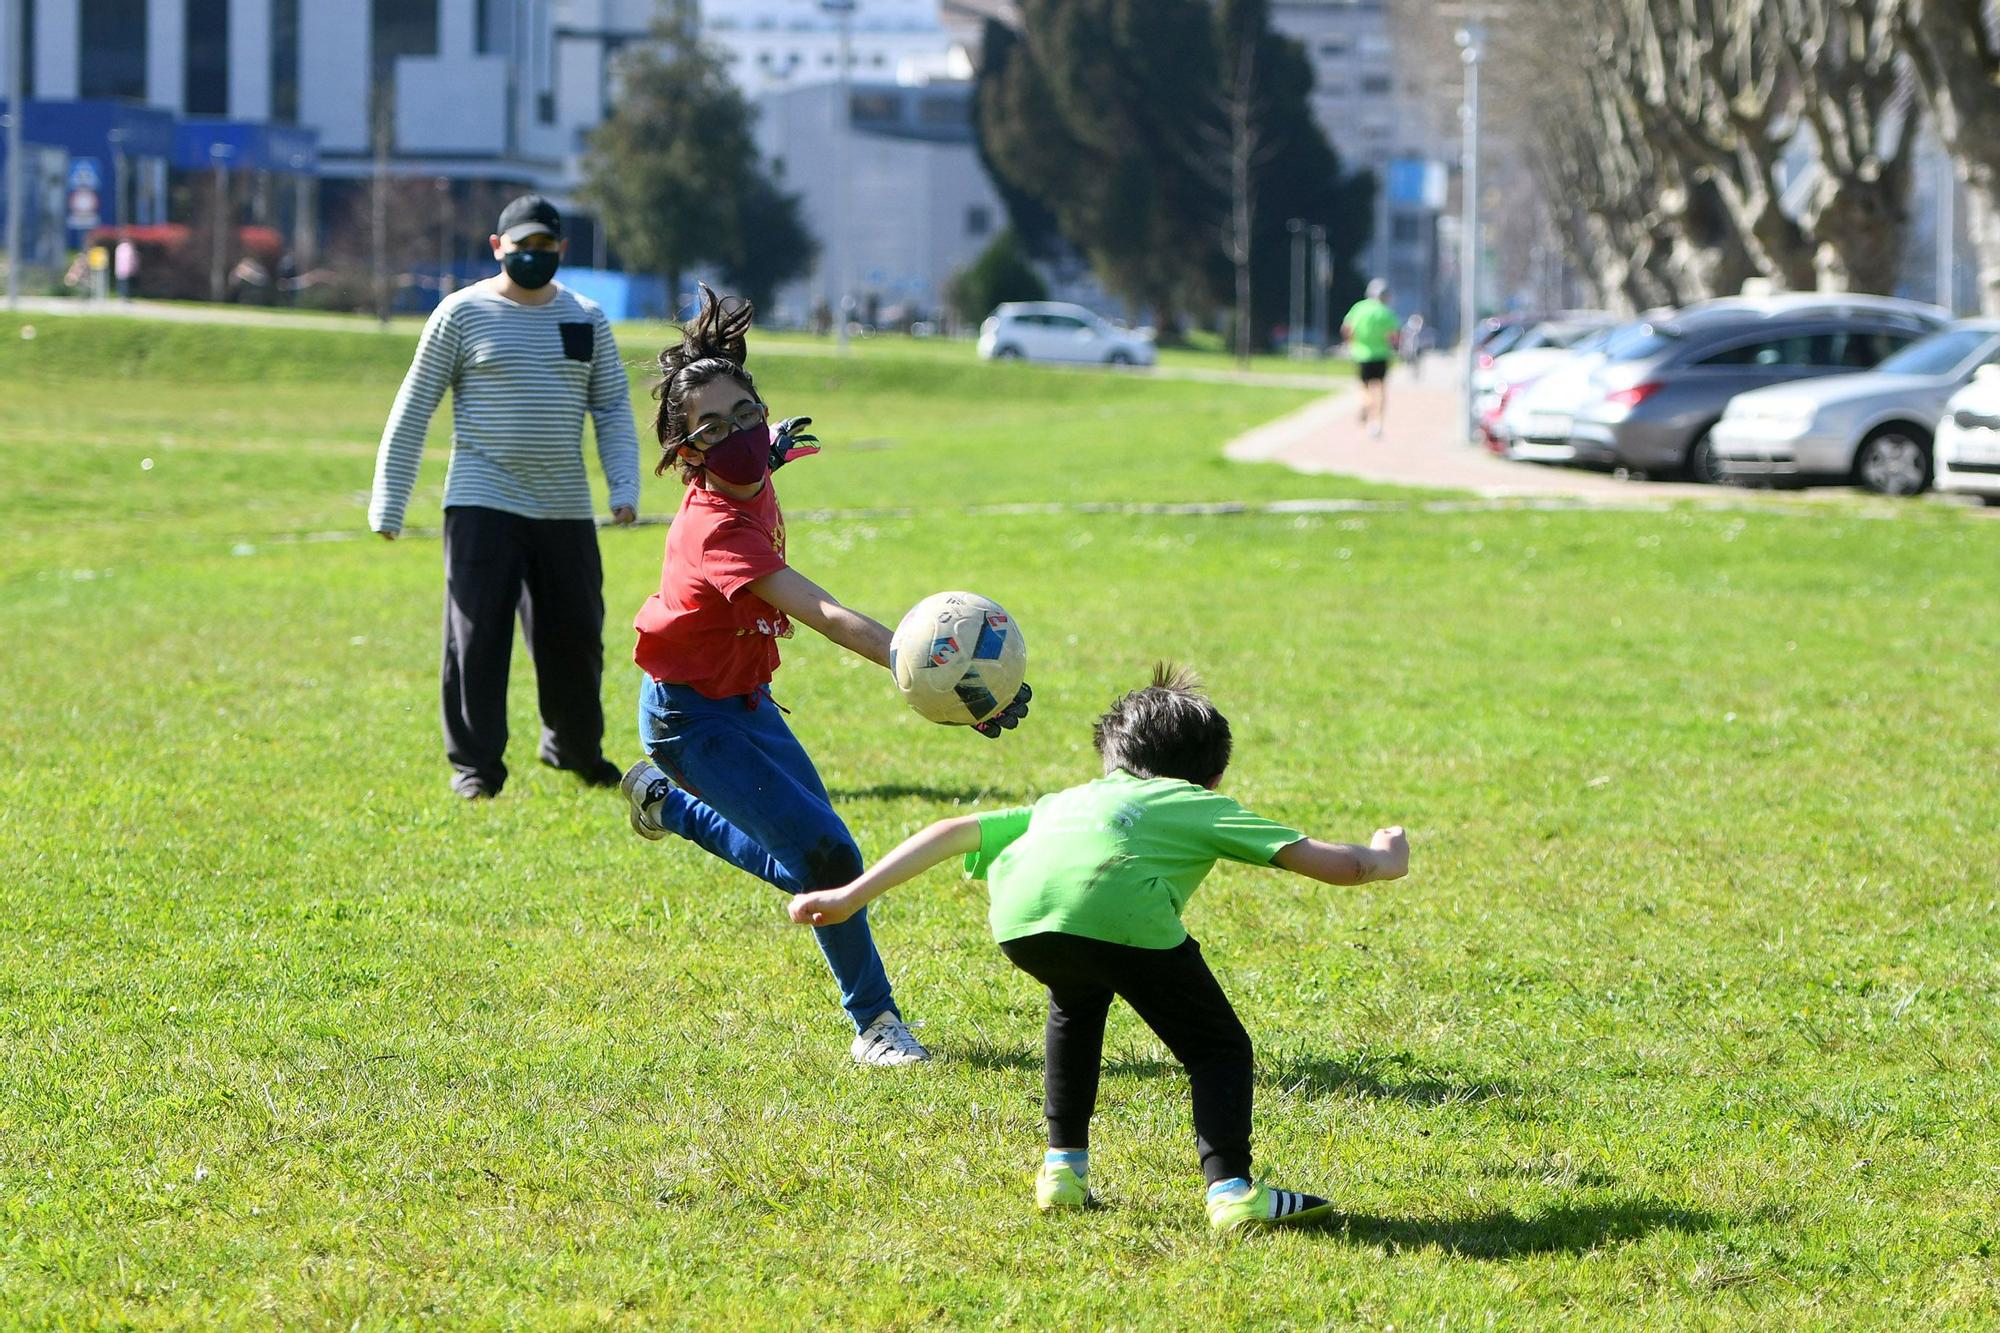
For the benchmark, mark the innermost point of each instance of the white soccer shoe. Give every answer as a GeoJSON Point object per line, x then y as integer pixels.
{"type": "Point", "coordinates": [887, 1041]}
{"type": "Point", "coordinates": [645, 786]}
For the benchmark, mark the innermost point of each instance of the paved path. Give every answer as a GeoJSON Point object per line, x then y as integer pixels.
{"type": "Point", "coordinates": [1424, 445]}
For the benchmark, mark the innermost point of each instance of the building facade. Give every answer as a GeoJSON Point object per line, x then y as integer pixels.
{"type": "Point", "coordinates": [892, 185]}
{"type": "Point", "coordinates": [1376, 118]}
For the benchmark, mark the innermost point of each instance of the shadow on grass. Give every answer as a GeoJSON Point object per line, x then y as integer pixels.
{"type": "Point", "coordinates": [1310, 1079]}
{"type": "Point", "coordinates": [903, 791]}
{"type": "Point", "coordinates": [1504, 1234]}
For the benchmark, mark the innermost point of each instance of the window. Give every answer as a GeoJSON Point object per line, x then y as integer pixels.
{"type": "Point", "coordinates": [28, 46]}
{"type": "Point", "coordinates": [403, 28]}
{"type": "Point", "coordinates": [112, 37]}
{"type": "Point", "coordinates": [1377, 85]}
{"type": "Point", "coordinates": [978, 221]}
{"type": "Point", "coordinates": [205, 74]}
{"type": "Point", "coordinates": [1856, 349]}
{"type": "Point", "coordinates": [1406, 229]}
{"type": "Point", "coordinates": [1338, 45]}
{"type": "Point", "coordinates": [941, 111]}
{"type": "Point", "coordinates": [285, 61]}
{"type": "Point", "coordinates": [875, 108]}
{"type": "Point", "coordinates": [1796, 350]}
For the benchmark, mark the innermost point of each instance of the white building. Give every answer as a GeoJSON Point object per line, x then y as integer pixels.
{"type": "Point", "coordinates": [1377, 118]}
{"type": "Point", "coordinates": [776, 45]}
{"type": "Point", "coordinates": [892, 185]}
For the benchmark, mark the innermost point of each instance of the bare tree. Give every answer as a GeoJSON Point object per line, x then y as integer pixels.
{"type": "Point", "coordinates": [1857, 95]}
{"type": "Point", "coordinates": [1232, 152]}
{"type": "Point", "coordinates": [1954, 48]}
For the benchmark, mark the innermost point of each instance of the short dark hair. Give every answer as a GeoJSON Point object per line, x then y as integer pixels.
{"type": "Point", "coordinates": [1170, 729]}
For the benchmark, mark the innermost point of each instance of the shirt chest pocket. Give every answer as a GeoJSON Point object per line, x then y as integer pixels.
{"type": "Point", "coordinates": [579, 341]}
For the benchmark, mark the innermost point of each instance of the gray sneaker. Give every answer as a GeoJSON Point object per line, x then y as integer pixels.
{"type": "Point", "coordinates": [645, 786]}
{"type": "Point", "coordinates": [887, 1041]}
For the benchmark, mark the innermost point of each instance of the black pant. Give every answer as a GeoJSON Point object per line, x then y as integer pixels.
{"type": "Point", "coordinates": [495, 565]}
{"type": "Point", "coordinates": [1176, 995]}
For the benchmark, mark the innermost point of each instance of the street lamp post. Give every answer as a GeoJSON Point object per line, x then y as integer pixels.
{"type": "Point", "coordinates": [1296, 336]}
{"type": "Point", "coordinates": [444, 236]}
{"type": "Point", "coordinates": [1321, 269]}
{"type": "Point", "coordinates": [1469, 38]}
{"type": "Point", "coordinates": [843, 121]}
{"type": "Point", "coordinates": [218, 156]}
{"type": "Point", "coordinates": [17, 112]}
{"type": "Point", "coordinates": [1947, 231]}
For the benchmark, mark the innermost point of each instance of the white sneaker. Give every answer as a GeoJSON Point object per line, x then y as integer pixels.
{"type": "Point", "coordinates": [887, 1041]}
{"type": "Point", "coordinates": [645, 786]}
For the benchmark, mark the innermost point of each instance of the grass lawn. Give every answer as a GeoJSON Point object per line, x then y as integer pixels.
{"type": "Point", "coordinates": [1686, 1017]}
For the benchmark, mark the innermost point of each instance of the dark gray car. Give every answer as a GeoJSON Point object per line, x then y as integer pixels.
{"type": "Point", "coordinates": [1650, 408]}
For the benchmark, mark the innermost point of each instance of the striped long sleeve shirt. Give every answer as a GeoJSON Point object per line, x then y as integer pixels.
{"type": "Point", "coordinates": [521, 378]}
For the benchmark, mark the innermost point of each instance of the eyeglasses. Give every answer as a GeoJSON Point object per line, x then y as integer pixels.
{"type": "Point", "coordinates": [715, 432]}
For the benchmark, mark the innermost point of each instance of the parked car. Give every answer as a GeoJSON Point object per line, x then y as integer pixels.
{"type": "Point", "coordinates": [1653, 409]}
{"type": "Point", "coordinates": [1548, 345]}
{"type": "Point", "coordinates": [1059, 331]}
{"type": "Point", "coordinates": [1874, 429]}
{"type": "Point", "coordinates": [1537, 420]}
{"type": "Point", "coordinates": [1968, 439]}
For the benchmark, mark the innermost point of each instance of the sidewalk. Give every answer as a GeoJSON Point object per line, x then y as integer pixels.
{"type": "Point", "coordinates": [1425, 444]}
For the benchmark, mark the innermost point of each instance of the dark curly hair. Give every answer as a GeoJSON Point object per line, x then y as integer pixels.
{"type": "Point", "coordinates": [1170, 729]}
{"type": "Point", "coordinates": [711, 346]}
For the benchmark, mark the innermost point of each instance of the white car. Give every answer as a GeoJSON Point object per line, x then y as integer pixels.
{"type": "Point", "coordinates": [1059, 331]}
{"type": "Point", "coordinates": [1534, 422]}
{"type": "Point", "coordinates": [1968, 439]}
{"type": "Point", "coordinates": [1874, 428]}
{"type": "Point", "coordinates": [1512, 373]}
{"type": "Point", "coordinates": [1525, 355]}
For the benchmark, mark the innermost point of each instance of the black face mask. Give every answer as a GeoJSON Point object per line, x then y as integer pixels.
{"type": "Point", "coordinates": [531, 268]}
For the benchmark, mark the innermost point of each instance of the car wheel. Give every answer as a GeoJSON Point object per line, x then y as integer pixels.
{"type": "Point", "coordinates": [1120, 358]}
{"type": "Point", "coordinates": [1702, 465]}
{"type": "Point", "coordinates": [1007, 353]}
{"type": "Point", "coordinates": [1895, 460]}
{"type": "Point", "coordinates": [1990, 501]}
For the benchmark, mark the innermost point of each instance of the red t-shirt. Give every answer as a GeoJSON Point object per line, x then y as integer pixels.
{"type": "Point", "coordinates": [704, 628]}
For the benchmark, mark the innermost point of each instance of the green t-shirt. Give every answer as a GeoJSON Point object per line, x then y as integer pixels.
{"type": "Point", "coordinates": [1116, 859]}
{"type": "Point", "coordinates": [1370, 325]}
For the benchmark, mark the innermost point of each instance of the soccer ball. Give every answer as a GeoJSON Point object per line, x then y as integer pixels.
{"type": "Point", "coordinates": [958, 658]}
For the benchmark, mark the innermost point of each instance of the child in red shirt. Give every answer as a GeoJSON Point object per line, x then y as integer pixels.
{"type": "Point", "coordinates": [724, 770]}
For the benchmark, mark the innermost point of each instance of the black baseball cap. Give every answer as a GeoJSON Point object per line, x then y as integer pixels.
{"type": "Point", "coordinates": [530, 215]}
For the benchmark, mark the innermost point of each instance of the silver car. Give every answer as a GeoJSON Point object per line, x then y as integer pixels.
{"type": "Point", "coordinates": [1652, 408]}
{"type": "Point", "coordinates": [1874, 429]}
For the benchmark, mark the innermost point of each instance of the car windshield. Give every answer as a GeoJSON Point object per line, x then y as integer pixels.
{"type": "Point", "coordinates": [1637, 341]}
{"type": "Point", "coordinates": [1938, 354]}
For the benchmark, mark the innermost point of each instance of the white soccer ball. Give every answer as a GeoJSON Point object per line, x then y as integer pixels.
{"type": "Point", "coordinates": [958, 658]}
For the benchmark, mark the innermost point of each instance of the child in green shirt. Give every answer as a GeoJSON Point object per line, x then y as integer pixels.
{"type": "Point", "coordinates": [1087, 889]}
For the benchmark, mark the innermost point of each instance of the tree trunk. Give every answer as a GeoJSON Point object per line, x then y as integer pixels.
{"type": "Point", "coordinates": [1955, 59]}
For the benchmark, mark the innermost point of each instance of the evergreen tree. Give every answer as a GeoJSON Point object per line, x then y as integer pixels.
{"type": "Point", "coordinates": [1002, 273]}
{"type": "Point", "coordinates": [675, 175]}
{"type": "Point", "coordinates": [1119, 118]}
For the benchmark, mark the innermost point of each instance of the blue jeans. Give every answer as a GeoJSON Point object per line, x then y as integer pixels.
{"type": "Point", "coordinates": [749, 795]}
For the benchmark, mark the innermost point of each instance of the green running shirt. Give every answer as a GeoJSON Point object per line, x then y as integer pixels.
{"type": "Point", "coordinates": [1371, 324]}
{"type": "Point", "coordinates": [1115, 860]}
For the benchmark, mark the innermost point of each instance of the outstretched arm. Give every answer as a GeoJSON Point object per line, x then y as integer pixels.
{"type": "Point", "coordinates": [811, 605]}
{"type": "Point", "coordinates": [1387, 856]}
{"type": "Point", "coordinates": [919, 852]}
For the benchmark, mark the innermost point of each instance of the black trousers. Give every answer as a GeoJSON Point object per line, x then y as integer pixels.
{"type": "Point", "coordinates": [498, 565]}
{"type": "Point", "coordinates": [1176, 995]}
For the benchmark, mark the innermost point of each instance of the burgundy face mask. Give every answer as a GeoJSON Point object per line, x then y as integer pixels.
{"type": "Point", "coordinates": [744, 459]}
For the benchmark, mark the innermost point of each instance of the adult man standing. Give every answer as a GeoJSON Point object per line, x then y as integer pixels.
{"type": "Point", "coordinates": [524, 358]}
{"type": "Point", "coordinates": [1370, 329]}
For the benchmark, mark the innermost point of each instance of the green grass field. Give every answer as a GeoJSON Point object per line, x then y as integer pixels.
{"type": "Point", "coordinates": [1686, 1017]}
